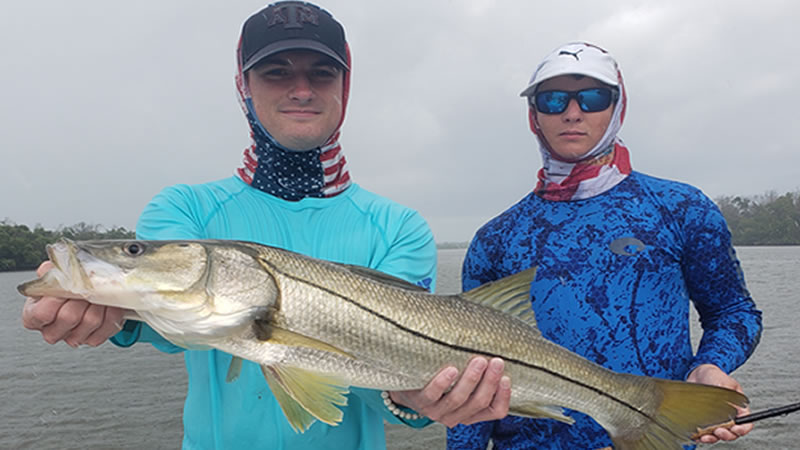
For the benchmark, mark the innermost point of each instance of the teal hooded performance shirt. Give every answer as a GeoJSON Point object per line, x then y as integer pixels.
{"type": "Point", "coordinates": [354, 227]}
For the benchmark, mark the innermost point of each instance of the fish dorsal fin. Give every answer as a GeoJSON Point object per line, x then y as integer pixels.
{"type": "Point", "coordinates": [234, 370]}
{"type": "Point", "coordinates": [305, 395]}
{"type": "Point", "coordinates": [266, 332]}
{"type": "Point", "coordinates": [382, 277]}
{"type": "Point", "coordinates": [509, 295]}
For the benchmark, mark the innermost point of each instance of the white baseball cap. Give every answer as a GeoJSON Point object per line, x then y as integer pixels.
{"type": "Point", "coordinates": [578, 58]}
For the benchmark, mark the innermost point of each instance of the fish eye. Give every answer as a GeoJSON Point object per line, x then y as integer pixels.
{"type": "Point", "coordinates": [133, 248]}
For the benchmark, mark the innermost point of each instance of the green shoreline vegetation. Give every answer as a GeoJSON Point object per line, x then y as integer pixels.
{"type": "Point", "coordinates": [768, 219]}
{"type": "Point", "coordinates": [24, 249]}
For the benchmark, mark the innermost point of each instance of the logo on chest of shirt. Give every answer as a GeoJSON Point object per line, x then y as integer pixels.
{"type": "Point", "coordinates": [626, 246]}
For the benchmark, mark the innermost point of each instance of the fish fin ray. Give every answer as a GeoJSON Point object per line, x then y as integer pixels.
{"type": "Point", "coordinates": [684, 409]}
{"type": "Point", "coordinates": [318, 394]}
{"type": "Point", "coordinates": [234, 370]}
{"type": "Point", "coordinates": [296, 414]}
{"type": "Point", "coordinates": [540, 411]}
{"type": "Point", "coordinates": [510, 295]}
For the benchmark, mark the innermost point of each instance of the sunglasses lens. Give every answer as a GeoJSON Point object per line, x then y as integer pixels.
{"type": "Point", "coordinates": [594, 100]}
{"type": "Point", "coordinates": [552, 102]}
{"type": "Point", "coordinates": [589, 100]}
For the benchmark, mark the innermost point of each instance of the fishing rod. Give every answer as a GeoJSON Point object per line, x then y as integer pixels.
{"type": "Point", "coordinates": [750, 418]}
{"type": "Point", "coordinates": [767, 413]}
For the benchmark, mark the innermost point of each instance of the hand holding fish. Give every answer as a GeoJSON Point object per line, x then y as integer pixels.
{"type": "Point", "coordinates": [74, 321]}
{"type": "Point", "coordinates": [713, 375]}
{"type": "Point", "coordinates": [481, 393]}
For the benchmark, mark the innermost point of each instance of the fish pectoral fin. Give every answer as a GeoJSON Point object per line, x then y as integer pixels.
{"type": "Point", "coordinates": [297, 416]}
{"type": "Point", "coordinates": [316, 393]}
{"type": "Point", "coordinates": [234, 370]}
{"type": "Point", "coordinates": [509, 295]}
{"type": "Point", "coordinates": [292, 339]}
{"type": "Point", "coordinates": [540, 411]}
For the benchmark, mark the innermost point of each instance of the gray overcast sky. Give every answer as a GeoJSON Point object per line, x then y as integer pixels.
{"type": "Point", "coordinates": [104, 102]}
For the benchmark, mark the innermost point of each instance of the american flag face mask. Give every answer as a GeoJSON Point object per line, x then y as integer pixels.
{"type": "Point", "coordinates": [603, 166]}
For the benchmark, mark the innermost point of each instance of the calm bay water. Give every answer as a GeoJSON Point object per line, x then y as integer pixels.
{"type": "Point", "coordinates": [106, 397]}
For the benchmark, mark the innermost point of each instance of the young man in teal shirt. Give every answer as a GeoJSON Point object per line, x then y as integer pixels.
{"type": "Point", "coordinates": [292, 191]}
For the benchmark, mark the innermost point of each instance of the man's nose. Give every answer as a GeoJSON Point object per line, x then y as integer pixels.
{"type": "Point", "coordinates": [573, 112]}
{"type": "Point", "coordinates": [301, 88]}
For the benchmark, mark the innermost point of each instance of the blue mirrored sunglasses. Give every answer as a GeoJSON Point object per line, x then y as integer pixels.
{"type": "Point", "coordinates": [589, 100]}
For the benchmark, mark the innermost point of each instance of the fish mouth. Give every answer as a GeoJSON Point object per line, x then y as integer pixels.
{"type": "Point", "coordinates": [64, 255]}
{"type": "Point", "coordinates": [77, 273]}
{"type": "Point", "coordinates": [67, 279]}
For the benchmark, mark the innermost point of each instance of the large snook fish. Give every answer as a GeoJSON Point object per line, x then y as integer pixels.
{"type": "Point", "coordinates": [318, 327]}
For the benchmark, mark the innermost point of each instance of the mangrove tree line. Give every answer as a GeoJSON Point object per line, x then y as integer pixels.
{"type": "Point", "coordinates": [768, 219]}
{"type": "Point", "coordinates": [24, 249]}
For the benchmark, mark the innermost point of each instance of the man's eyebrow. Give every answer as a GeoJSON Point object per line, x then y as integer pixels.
{"type": "Point", "coordinates": [326, 63]}
{"type": "Point", "coordinates": [282, 61]}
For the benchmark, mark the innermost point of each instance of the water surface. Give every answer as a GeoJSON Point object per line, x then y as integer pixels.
{"type": "Point", "coordinates": [54, 396]}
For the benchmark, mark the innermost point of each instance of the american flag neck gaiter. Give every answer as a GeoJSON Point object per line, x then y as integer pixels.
{"type": "Point", "coordinates": [291, 175]}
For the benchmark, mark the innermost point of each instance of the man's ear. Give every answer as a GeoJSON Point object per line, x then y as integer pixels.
{"type": "Point", "coordinates": [534, 124]}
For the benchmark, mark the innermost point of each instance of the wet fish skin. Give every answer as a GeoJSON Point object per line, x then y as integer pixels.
{"type": "Point", "coordinates": [318, 327]}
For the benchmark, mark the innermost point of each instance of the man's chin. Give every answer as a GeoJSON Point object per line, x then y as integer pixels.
{"type": "Point", "coordinates": [570, 154]}
{"type": "Point", "coordinates": [299, 144]}
{"type": "Point", "coordinates": [303, 138]}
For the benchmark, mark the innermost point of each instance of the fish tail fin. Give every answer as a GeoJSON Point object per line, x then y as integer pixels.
{"type": "Point", "coordinates": [685, 409]}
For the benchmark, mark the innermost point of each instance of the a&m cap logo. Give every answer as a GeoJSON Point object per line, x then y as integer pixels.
{"type": "Point", "coordinates": [292, 16]}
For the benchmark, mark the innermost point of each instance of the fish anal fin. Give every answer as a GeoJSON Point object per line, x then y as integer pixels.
{"type": "Point", "coordinates": [297, 416]}
{"type": "Point", "coordinates": [318, 394]}
{"type": "Point", "coordinates": [539, 411]}
{"type": "Point", "coordinates": [510, 295]}
{"type": "Point", "coordinates": [234, 369]}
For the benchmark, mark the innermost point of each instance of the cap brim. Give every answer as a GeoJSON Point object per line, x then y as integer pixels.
{"type": "Point", "coordinates": [292, 44]}
{"type": "Point", "coordinates": [532, 87]}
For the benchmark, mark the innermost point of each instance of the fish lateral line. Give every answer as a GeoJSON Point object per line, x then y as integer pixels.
{"type": "Point", "coordinates": [470, 350]}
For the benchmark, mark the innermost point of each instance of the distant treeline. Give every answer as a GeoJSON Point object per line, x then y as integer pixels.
{"type": "Point", "coordinates": [768, 219]}
{"type": "Point", "coordinates": [24, 249]}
